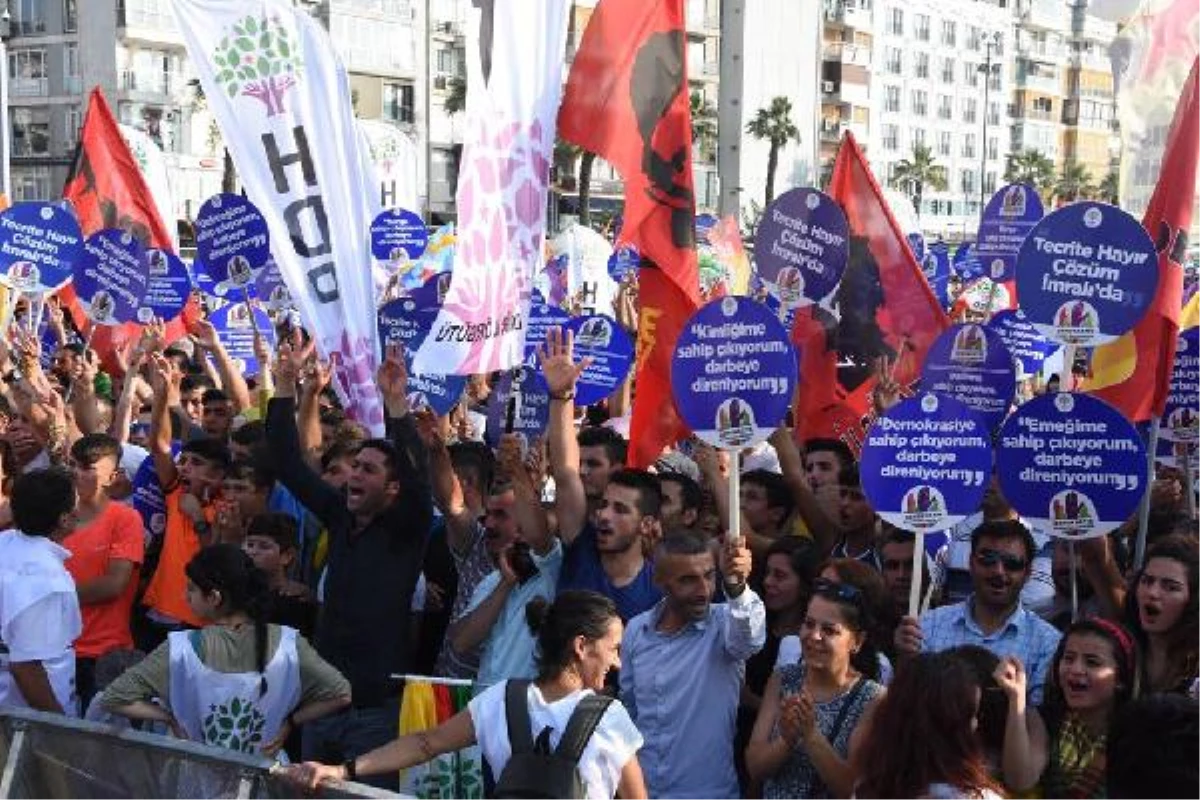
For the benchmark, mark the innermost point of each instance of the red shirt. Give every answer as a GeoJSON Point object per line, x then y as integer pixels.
{"type": "Point", "coordinates": [116, 534]}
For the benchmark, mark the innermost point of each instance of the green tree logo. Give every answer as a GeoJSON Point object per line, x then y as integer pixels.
{"type": "Point", "coordinates": [259, 59]}
{"type": "Point", "coordinates": [237, 725]}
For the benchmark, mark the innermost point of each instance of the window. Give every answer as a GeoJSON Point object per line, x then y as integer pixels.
{"type": "Point", "coordinates": [993, 113]}
{"type": "Point", "coordinates": [949, 32]}
{"type": "Point", "coordinates": [72, 122]}
{"type": "Point", "coordinates": [892, 60]}
{"type": "Point", "coordinates": [945, 107]}
{"type": "Point", "coordinates": [968, 109]}
{"type": "Point", "coordinates": [947, 70]}
{"type": "Point", "coordinates": [27, 17]}
{"type": "Point", "coordinates": [1043, 104]}
{"type": "Point", "coordinates": [891, 98]}
{"type": "Point", "coordinates": [31, 183]}
{"type": "Point", "coordinates": [943, 143]}
{"type": "Point", "coordinates": [995, 78]}
{"type": "Point", "coordinates": [918, 137]}
{"type": "Point", "coordinates": [27, 73]}
{"type": "Point", "coordinates": [891, 137]}
{"type": "Point", "coordinates": [922, 65]}
{"type": "Point", "coordinates": [993, 148]}
{"type": "Point", "coordinates": [971, 73]}
{"type": "Point", "coordinates": [72, 80]}
{"type": "Point", "coordinates": [398, 102]}
{"type": "Point", "coordinates": [974, 39]}
{"type": "Point", "coordinates": [70, 16]}
{"type": "Point", "coordinates": [896, 22]}
{"type": "Point", "coordinates": [921, 27]}
{"type": "Point", "coordinates": [968, 149]}
{"type": "Point", "coordinates": [967, 181]}
{"type": "Point", "coordinates": [31, 131]}
{"type": "Point", "coordinates": [450, 62]}
{"type": "Point", "coordinates": [919, 102]}
{"type": "Point", "coordinates": [989, 183]}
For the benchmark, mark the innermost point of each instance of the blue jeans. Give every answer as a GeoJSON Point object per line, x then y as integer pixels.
{"type": "Point", "coordinates": [352, 732]}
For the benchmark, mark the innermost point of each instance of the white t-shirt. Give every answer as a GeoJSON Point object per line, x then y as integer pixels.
{"type": "Point", "coordinates": [614, 742]}
{"type": "Point", "coordinates": [39, 616]}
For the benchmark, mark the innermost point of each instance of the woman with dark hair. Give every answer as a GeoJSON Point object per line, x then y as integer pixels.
{"type": "Point", "coordinates": [238, 683]}
{"type": "Point", "coordinates": [1163, 613]}
{"type": "Point", "coordinates": [1096, 670]}
{"type": "Point", "coordinates": [579, 640]}
{"type": "Point", "coordinates": [922, 740]}
{"type": "Point", "coordinates": [815, 713]}
{"type": "Point", "coordinates": [879, 611]}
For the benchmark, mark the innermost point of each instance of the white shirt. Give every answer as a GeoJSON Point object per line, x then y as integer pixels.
{"type": "Point", "coordinates": [614, 742]}
{"type": "Point", "coordinates": [39, 616]}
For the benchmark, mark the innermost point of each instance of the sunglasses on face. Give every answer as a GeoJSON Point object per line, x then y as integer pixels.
{"type": "Point", "coordinates": [990, 558]}
{"type": "Point", "coordinates": [837, 591]}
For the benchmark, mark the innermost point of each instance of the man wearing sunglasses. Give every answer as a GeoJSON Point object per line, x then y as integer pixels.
{"type": "Point", "coordinates": [992, 617]}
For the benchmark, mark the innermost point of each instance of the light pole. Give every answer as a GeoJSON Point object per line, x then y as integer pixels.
{"type": "Point", "coordinates": [6, 134]}
{"type": "Point", "coordinates": [990, 40]}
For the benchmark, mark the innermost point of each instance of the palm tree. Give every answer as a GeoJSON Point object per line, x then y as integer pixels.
{"type": "Point", "coordinates": [1109, 190]}
{"type": "Point", "coordinates": [1073, 182]}
{"type": "Point", "coordinates": [913, 174]}
{"type": "Point", "coordinates": [456, 95]}
{"type": "Point", "coordinates": [704, 122]}
{"type": "Point", "coordinates": [774, 125]}
{"type": "Point", "coordinates": [585, 187]}
{"type": "Point", "coordinates": [1033, 168]}
{"type": "Point", "coordinates": [228, 170]}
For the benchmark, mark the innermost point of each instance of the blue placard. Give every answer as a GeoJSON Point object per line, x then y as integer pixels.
{"type": "Point", "coordinates": [1023, 340]}
{"type": "Point", "coordinates": [168, 287]}
{"type": "Point", "coordinates": [541, 319]}
{"type": "Point", "coordinates": [971, 364]}
{"type": "Point", "coordinates": [40, 244]}
{"type": "Point", "coordinates": [1086, 274]}
{"type": "Point", "coordinates": [403, 321]}
{"type": "Point", "coordinates": [236, 331]}
{"type": "Point", "coordinates": [926, 463]}
{"type": "Point", "coordinates": [433, 292]}
{"type": "Point", "coordinates": [966, 264]}
{"type": "Point", "coordinates": [232, 239]}
{"type": "Point", "coordinates": [111, 278]}
{"type": "Point", "coordinates": [203, 281]}
{"type": "Point", "coordinates": [440, 393]}
{"type": "Point", "coordinates": [1172, 454]}
{"type": "Point", "coordinates": [1181, 417]}
{"type": "Point", "coordinates": [936, 266]}
{"type": "Point", "coordinates": [148, 499]}
{"type": "Point", "coordinates": [398, 235]}
{"type": "Point", "coordinates": [606, 343]}
{"type": "Point", "coordinates": [916, 243]}
{"type": "Point", "coordinates": [623, 262]}
{"type": "Point", "coordinates": [1071, 465]}
{"type": "Point", "coordinates": [733, 372]}
{"type": "Point", "coordinates": [1008, 218]}
{"type": "Point", "coordinates": [801, 246]}
{"type": "Point", "coordinates": [269, 286]}
{"type": "Point", "coordinates": [531, 412]}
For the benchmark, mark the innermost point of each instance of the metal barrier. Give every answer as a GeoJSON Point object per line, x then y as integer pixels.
{"type": "Point", "coordinates": [47, 755]}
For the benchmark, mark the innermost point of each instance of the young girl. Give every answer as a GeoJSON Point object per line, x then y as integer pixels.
{"type": "Point", "coordinates": [238, 683]}
{"type": "Point", "coordinates": [1096, 670]}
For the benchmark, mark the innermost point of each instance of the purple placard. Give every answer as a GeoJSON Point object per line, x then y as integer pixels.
{"type": "Point", "coordinates": [801, 246]}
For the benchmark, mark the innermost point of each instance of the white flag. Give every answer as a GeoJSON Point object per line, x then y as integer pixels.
{"type": "Point", "coordinates": [282, 100]}
{"type": "Point", "coordinates": [154, 169]}
{"type": "Point", "coordinates": [514, 83]}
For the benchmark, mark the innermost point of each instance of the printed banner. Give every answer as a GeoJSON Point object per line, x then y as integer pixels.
{"type": "Point", "coordinates": [282, 100]}
{"type": "Point", "coordinates": [971, 364]}
{"type": "Point", "coordinates": [515, 82]}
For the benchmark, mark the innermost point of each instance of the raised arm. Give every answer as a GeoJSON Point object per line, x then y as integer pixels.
{"type": "Point", "coordinates": [531, 518]}
{"type": "Point", "coordinates": [447, 491]}
{"type": "Point", "coordinates": [164, 380]}
{"type": "Point", "coordinates": [561, 373]}
{"type": "Point", "coordinates": [823, 528]}
{"type": "Point", "coordinates": [415, 506]}
{"type": "Point", "coordinates": [231, 379]}
{"type": "Point", "coordinates": [318, 374]}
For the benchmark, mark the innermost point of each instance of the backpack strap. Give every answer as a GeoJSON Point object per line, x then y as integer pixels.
{"type": "Point", "coordinates": [516, 714]}
{"type": "Point", "coordinates": [583, 722]}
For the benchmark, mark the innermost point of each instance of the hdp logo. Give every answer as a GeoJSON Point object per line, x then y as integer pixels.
{"type": "Point", "coordinates": [970, 346]}
{"type": "Point", "coordinates": [258, 59]}
{"type": "Point", "coordinates": [923, 507]}
{"type": "Point", "coordinates": [1076, 322]}
{"type": "Point", "coordinates": [1071, 512]}
{"type": "Point", "coordinates": [735, 423]}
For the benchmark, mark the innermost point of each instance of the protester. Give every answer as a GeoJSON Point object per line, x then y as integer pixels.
{"type": "Point", "coordinates": [240, 683]}
{"type": "Point", "coordinates": [860, 524]}
{"type": "Point", "coordinates": [878, 621]}
{"type": "Point", "coordinates": [814, 714]}
{"type": "Point", "coordinates": [107, 548]}
{"type": "Point", "coordinates": [993, 616]}
{"type": "Point", "coordinates": [39, 611]}
{"type": "Point", "coordinates": [1096, 670]}
{"type": "Point", "coordinates": [579, 638]}
{"type": "Point", "coordinates": [272, 544]}
{"type": "Point", "coordinates": [1152, 746]}
{"type": "Point", "coordinates": [896, 560]}
{"type": "Point", "coordinates": [1162, 611]}
{"type": "Point", "coordinates": [683, 666]}
{"type": "Point", "coordinates": [682, 501]}
{"type": "Point", "coordinates": [921, 740]}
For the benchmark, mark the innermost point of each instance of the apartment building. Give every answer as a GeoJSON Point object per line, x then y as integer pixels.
{"type": "Point", "coordinates": [1090, 136]}
{"type": "Point", "coordinates": [847, 60]}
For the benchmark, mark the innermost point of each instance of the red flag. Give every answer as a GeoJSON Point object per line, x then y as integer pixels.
{"type": "Point", "coordinates": [1143, 393]}
{"type": "Point", "coordinates": [107, 190]}
{"type": "Point", "coordinates": [886, 305]}
{"type": "Point", "coordinates": [627, 101]}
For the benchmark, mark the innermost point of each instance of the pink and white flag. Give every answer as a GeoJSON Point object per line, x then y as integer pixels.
{"type": "Point", "coordinates": [514, 83]}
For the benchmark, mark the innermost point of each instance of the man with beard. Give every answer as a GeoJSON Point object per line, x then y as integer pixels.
{"type": "Point", "coordinates": [992, 617]}
{"type": "Point", "coordinates": [604, 554]}
{"type": "Point", "coordinates": [682, 667]}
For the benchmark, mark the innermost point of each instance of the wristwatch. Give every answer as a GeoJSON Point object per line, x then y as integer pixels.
{"type": "Point", "coordinates": [351, 769]}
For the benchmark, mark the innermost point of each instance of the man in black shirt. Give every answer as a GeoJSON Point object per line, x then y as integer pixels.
{"type": "Point", "coordinates": [377, 535]}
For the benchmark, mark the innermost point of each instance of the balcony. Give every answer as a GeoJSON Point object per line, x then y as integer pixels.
{"type": "Point", "coordinates": [847, 13]}
{"type": "Point", "coordinates": [711, 69]}
{"type": "Point", "coordinates": [28, 27]}
{"type": "Point", "coordinates": [847, 53]}
{"type": "Point", "coordinates": [73, 84]}
{"type": "Point", "coordinates": [29, 87]}
{"type": "Point", "coordinates": [1096, 60]}
{"type": "Point", "coordinates": [162, 84]}
{"type": "Point", "coordinates": [1048, 84]}
{"type": "Point", "coordinates": [1051, 15]}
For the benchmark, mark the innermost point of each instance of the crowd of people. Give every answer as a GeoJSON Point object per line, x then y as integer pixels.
{"type": "Point", "coordinates": [303, 568]}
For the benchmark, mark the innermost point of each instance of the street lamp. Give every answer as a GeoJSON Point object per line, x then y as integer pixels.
{"type": "Point", "coordinates": [990, 40]}
{"type": "Point", "coordinates": [6, 133]}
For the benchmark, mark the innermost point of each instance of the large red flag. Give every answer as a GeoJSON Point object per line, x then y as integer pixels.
{"type": "Point", "coordinates": [1145, 356]}
{"type": "Point", "coordinates": [627, 101]}
{"type": "Point", "coordinates": [108, 191]}
{"type": "Point", "coordinates": [887, 309]}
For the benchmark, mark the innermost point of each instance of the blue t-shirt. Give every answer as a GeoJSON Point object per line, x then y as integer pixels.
{"type": "Point", "coordinates": [582, 570]}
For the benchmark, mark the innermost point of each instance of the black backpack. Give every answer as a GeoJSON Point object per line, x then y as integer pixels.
{"type": "Point", "coordinates": [534, 771]}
